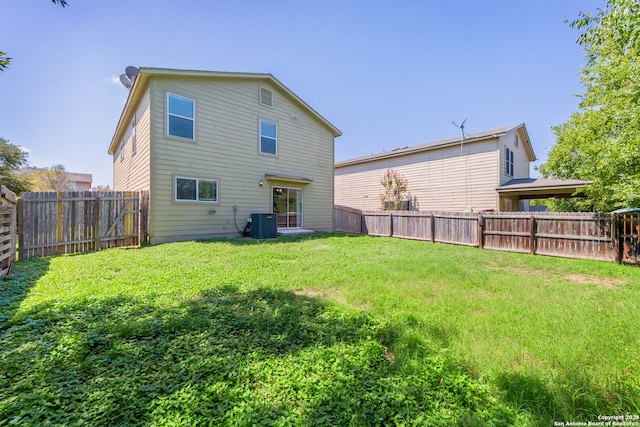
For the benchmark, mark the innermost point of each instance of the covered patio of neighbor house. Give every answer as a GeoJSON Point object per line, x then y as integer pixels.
{"type": "Point", "coordinates": [511, 193]}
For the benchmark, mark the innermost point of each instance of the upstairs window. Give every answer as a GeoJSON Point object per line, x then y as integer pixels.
{"type": "Point", "coordinates": [509, 162]}
{"type": "Point", "coordinates": [268, 137]}
{"type": "Point", "coordinates": [180, 116]}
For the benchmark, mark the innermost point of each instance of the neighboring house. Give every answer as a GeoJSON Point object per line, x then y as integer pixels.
{"type": "Point", "coordinates": [484, 171]}
{"type": "Point", "coordinates": [79, 181]}
{"type": "Point", "coordinates": [214, 147]}
{"type": "Point", "coordinates": [73, 181]}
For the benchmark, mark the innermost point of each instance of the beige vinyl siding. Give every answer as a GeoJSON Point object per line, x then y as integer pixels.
{"type": "Point", "coordinates": [131, 173]}
{"type": "Point", "coordinates": [520, 158]}
{"type": "Point", "coordinates": [453, 178]}
{"type": "Point", "coordinates": [226, 148]}
{"type": "Point", "coordinates": [520, 167]}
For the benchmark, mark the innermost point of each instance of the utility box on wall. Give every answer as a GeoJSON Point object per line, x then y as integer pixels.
{"type": "Point", "coordinates": [264, 225]}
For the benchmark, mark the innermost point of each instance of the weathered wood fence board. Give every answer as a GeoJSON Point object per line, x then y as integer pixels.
{"type": "Point", "coordinates": [629, 230]}
{"type": "Point", "coordinates": [578, 235]}
{"type": "Point", "coordinates": [597, 236]}
{"type": "Point", "coordinates": [377, 223]}
{"type": "Point", "coordinates": [8, 205]}
{"type": "Point", "coordinates": [347, 219]}
{"type": "Point", "coordinates": [455, 228]}
{"type": "Point", "coordinates": [79, 221]}
{"type": "Point", "coordinates": [412, 225]}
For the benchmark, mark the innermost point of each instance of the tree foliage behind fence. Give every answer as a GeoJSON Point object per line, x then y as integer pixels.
{"type": "Point", "coordinates": [598, 236]}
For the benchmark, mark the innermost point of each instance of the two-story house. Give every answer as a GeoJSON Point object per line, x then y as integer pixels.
{"type": "Point", "coordinates": [213, 147]}
{"type": "Point", "coordinates": [482, 171]}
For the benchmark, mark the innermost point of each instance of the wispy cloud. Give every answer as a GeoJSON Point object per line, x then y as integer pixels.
{"type": "Point", "coordinates": [24, 149]}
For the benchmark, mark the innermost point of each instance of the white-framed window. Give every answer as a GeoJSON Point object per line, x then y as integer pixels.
{"type": "Point", "coordinates": [266, 97]}
{"type": "Point", "coordinates": [180, 116]}
{"type": "Point", "coordinates": [268, 137]}
{"type": "Point", "coordinates": [121, 149]}
{"type": "Point", "coordinates": [509, 162]}
{"type": "Point", "coordinates": [195, 189]}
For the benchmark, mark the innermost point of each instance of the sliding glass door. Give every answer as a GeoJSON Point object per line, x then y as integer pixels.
{"type": "Point", "coordinates": [287, 203]}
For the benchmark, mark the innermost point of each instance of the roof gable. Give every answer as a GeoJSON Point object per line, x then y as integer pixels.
{"type": "Point", "coordinates": [145, 74]}
{"type": "Point", "coordinates": [468, 139]}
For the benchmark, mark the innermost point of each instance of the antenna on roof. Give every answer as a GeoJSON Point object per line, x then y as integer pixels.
{"type": "Point", "coordinates": [466, 161]}
{"type": "Point", "coordinates": [461, 127]}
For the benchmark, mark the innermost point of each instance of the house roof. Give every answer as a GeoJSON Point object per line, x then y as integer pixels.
{"type": "Point", "coordinates": [541, 187]}
{"type": "Point", "coordinates": [145, 73]}
{"type": "Point", "coordinates": [468, 139]}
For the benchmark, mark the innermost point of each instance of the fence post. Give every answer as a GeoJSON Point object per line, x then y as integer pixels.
{"type": "Point", "coordinates": [59, 247]}
{"type": "Point", "coordinates": [433, 228]}
{"type": "Point", "coordinates": [614, 238]}
{"type": "Point", "coordinates": [20, 226]}
{"type": "Point", "coordinates": [390, 224]}
{"type": "Point", "coordinates": [532, 242]}
{"type": "Point", "coordinates": [620, 231]}
{"type": "Point", "coordinates": [480, 231]}
{"type": "Point", "coordinates": [96, 224]}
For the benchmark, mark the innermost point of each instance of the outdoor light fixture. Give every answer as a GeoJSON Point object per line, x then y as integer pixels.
{"type": "Point", "coordinates": [260, 183]}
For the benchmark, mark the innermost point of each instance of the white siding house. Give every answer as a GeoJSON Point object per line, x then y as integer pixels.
{"type": "Point", "coordinates": [214, 147]}
{"type": "Point", "coordinates": [451, 175]}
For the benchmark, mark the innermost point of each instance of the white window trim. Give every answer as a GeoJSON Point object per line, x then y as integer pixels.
{"type": "Point", "coordinates": [301, 201]}
{"type": "Point", "coordinates": [260, 137]}
{"type": "Point", "coordinates": [197, 179]}
{"type": "Point", "coordinates": [510, 162]}
{"type": "Point", "coordinates": [182, 117]}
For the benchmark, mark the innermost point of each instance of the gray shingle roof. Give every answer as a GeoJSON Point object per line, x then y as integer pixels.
{"type": "Point", "coordinates": [541, 183]}
{"type": "Point", "coordinates": [474, 137]}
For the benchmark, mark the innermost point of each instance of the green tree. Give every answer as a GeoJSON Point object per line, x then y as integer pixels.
{"type": "Point", "coordinates": [601, 143]}
{"type": "Point", "coordinates": [13, 158]}
{"type": "Point", "coordinates": [50, 179]}
{"type": "Point", "coordinates": [4, 59]}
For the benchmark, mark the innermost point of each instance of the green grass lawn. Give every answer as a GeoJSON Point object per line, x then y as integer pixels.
{"type": "Point", "coordinates": [317, 330]}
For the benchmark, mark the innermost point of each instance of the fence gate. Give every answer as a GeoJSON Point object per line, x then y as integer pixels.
{"type": "Point", "coordinates": [8, 204]}
{"type": "Point", "coordinates": [79, 221]}
{"type": "Point", "coordinates": [629, 232]}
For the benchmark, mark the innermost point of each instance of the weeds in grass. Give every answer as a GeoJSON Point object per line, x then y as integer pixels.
{"type": "Point", "coordinates": [319, 330]}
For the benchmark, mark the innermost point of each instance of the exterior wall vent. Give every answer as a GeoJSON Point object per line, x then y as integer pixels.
{"type": "Point", "coordinates": [266, 97]}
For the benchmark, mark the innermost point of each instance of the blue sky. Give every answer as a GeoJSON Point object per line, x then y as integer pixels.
{"type": "Point", "coordinates": [386, 73]}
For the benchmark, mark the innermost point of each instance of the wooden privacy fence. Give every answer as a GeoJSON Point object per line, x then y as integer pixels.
{"type": "Point", "coordinates": [629, 231]}
{"type": "Point", "coordinates": [79, 221]}
{"type": "Point", "coordinates": [7, 229]}
{"type": "Point", "coordinates": [598, 236]}
{"type": "Point", "coordinates": [347, 219]}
